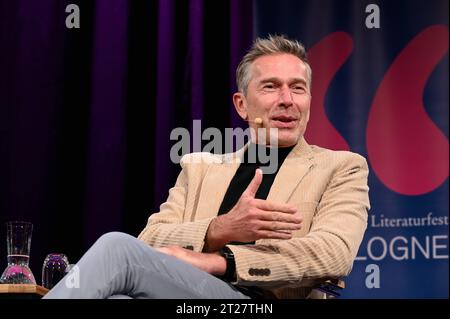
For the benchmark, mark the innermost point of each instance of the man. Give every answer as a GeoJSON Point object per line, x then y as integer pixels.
{"type": "Point", "coordinates": [228, 231]}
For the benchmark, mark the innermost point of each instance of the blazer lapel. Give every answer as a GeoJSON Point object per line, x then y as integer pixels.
{"type": "Point", "coordinates": [218, 177]}
{"type": "Point", "coordinates": [216, 182]}
{"type": "Point", "coordinates": [296, 165]}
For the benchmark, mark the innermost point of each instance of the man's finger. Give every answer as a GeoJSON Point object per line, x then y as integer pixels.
{"type": "Point", "coordinates": [267, 234]}
{"type": "Point", "coordinates": [252, 188]}
{"type": "Point", "coordinates": [281, 217]}
{"type": "Point", "coordinates": [280, 226]}
{"type": "Point", "coordinates": [271, 206]}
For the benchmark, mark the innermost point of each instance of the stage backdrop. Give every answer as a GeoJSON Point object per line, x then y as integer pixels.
{"type": "Point", "coordinates": [380, 88]}
{"type": "Point", "coordinates": [86, 116]}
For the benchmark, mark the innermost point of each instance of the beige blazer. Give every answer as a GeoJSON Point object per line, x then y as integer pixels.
{"type": "Point", "coordinates": [328, 187]}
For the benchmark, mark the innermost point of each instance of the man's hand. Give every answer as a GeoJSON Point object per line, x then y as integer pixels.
{"type": "Point", "coordinates": [252, 219]}
{"type": "Point", "coordinates": [212, 263]}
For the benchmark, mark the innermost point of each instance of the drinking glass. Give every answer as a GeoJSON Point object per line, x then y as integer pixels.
{"type": "Point", "coordinates": [54, 269]}
{"type": "Point", "coordinates": [18, 243]}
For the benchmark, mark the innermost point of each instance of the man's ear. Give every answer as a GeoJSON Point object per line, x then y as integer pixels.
{"type": "Point", "coordinates": [240, 103]}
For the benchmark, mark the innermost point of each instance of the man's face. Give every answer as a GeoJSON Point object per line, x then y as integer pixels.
{"type": "Point", "coordinates": [279, 94]}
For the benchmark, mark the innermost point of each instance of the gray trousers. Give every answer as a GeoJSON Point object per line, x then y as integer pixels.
{"type": "Point", "coordinates": [120, 265]}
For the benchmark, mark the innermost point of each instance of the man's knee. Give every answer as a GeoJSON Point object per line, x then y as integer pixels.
{"type": "Point", "coordinates": [114, 240]}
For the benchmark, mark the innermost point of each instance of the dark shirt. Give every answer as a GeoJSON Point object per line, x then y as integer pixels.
{"type": "Point", "coordinates": [239, 183]}
{"type": "Point", "coordinates": [245, 174]}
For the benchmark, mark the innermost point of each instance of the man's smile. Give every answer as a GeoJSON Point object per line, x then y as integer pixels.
{"type": "Point", "coordinates": [284, 121]}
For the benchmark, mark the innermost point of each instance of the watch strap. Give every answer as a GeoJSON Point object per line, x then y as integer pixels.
{"type": "Point", "coordinates": [230, 272]}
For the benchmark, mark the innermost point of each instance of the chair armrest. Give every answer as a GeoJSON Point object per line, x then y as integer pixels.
{"type": "Point", "coordinates": [331, 287]}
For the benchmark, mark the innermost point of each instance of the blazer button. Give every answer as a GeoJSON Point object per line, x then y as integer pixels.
{"type": "Point", "coordinates": [259, 272]}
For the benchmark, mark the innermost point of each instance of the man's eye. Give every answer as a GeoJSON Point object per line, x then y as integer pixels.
{"type": "Point", "coordinates": [269, 86]}
{"type": "Point", "coordinates": [299, 89]}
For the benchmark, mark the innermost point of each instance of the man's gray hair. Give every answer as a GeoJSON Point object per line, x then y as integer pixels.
{"type": "Point", "coordinates": [274, 44]}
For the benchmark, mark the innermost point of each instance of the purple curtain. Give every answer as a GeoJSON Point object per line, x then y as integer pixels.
{"type": "Point", "coordinates": [86, 114]}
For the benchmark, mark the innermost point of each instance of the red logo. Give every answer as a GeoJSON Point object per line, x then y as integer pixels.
{"type": "Point", "coordinates": [407, 151]}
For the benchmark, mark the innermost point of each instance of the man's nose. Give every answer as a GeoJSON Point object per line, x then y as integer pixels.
{"type": "Point", "coordinates": [285, 97]}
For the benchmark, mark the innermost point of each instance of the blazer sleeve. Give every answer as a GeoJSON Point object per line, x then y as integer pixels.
{"type": "Point", "coordinates": [167, 227]}
{"type": "Point", "coordinates": [330, 247]}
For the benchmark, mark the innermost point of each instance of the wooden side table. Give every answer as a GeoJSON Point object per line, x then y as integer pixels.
{"type": "Point", "coordinates": [19, 291]}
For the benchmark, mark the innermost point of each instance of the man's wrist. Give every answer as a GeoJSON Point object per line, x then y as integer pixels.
{"type": "Point", "coordinates": [215, 238]}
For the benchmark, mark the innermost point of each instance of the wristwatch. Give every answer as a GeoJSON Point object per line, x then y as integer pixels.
{"type": "Point", "coordinates": [230, 272]}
